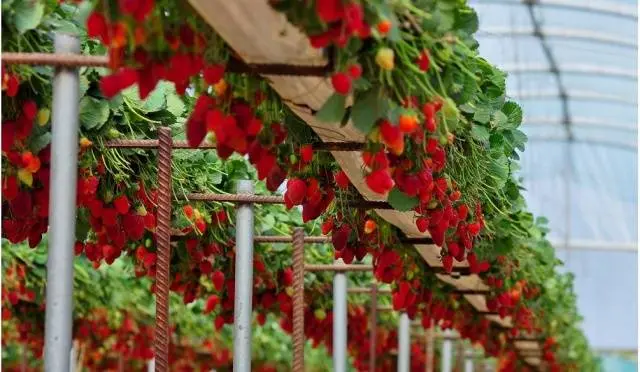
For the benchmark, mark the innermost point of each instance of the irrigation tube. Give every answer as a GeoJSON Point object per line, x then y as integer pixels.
{"type": "Point", "coordinates": [403, 343]}
{"type": "Point", "coordinates": [339, 321]}
{"type": "Point", "coordinates": [244, 282]}
{"type": "Point", "coordinates": [446, 352]}
{"type": "Point", "coordinates": [62, 206]}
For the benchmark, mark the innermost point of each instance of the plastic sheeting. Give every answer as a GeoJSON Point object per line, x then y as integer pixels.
{"type": "Point", "coordinates": [586, 184]}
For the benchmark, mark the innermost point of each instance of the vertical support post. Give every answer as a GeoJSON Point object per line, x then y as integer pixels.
{"type": "Point", "coordinates": [163, 234]}
{"type": "Point", "coordinates": [460, 355]}
{"type": "Point", "coordinates": [446, 352]}
{"type": "Point", "coordinates": [403, 343]}
{"type": "Point", "coordinates": [339, 321]}
{"type": "Point", "coordinates": [62, 206]}
{"type": "Point", "coordinates": [298, 299]}
{"type": "Point", "coordinates": [373, 327]}
{"type": "Point", "coordinates": [244, 282]}
{"type": "Point", "coordinates": [151, 365]}
{"type": "Point", "coordinates": [430, 346]}
{"type": "Point", "coordinates": [468, 362]}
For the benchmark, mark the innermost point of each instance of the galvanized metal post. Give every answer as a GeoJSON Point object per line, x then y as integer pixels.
{"type": "Point", "coordinates": [339, 321]}
{"type": "Point", "coordinates": [62, 206]}
{"type": "Point", "coordinates": [151, 365]}
{"type": "Point", "coordinates": [446, 352]}
{"type": "Point", "coordinates": [244, 282]}
{"type": "Point", "coordinates": [468, 362]}
{"type": "Point", "coordinates": [403, 343]}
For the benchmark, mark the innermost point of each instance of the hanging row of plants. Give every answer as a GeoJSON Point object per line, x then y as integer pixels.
{"type": "Point", "coordinates": [441, 141]}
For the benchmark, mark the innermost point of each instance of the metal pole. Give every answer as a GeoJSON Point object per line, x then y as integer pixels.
{"type": "Point", "coordinates": [339, 321]}
{"type": "Point", "coordinates": [446, 352]}
{"type": "Point", "coordinates": [373, 327]}
{"type": "Point", "coordinates": [403, 343]}
{"type": "Point", "coordinates": [151, 365]}
{"type": "Point", "coordinates": [298, 299]}
{"type": "Point", "coordinates": [468, 363]}
{"type": "Point", "coordinates": [430, 346]}
{"type": "Point", "coordinates": [244, 282]}
{"type": "Point", "coordinates": [62, 206]}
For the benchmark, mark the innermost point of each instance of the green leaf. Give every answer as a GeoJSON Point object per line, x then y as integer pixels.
{"type": "Point", "coordinates": [367, 109]}
{"type": "Point", "coordinates": [175, 104]}
{"type": "Point", "coordinates": [156, 101]}
{"type": "Point", "coordinates": [513, 112]}
{"type": "Point", "coordinates": [84, 85]}
{"type": "Point", "coordinates": [519, 139]}
{"type": "Point", "coordinates": [401, 201]}
{"type": "Point", "coordinates": [93, 112]}
{"type": "Point", "coordinates": [467, 20]}
{"type": "Point", "coordinates": [482, 115]}
{"type": "Point", "coordinates": [500, 120]}
{"type": "Point", "coordinates": [28, 15]}
{"type": "Point", "coordinates": [40, 142]}
{"type": "Point", "coordinates": [333, 110]}
{"type": "Point", "coordinates": [479, 133]}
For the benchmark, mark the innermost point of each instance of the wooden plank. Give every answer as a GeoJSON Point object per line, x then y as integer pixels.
{"type": "Point", "coordinates": [258, 34]}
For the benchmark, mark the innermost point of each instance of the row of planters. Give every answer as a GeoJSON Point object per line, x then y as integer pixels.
{"type": "Point", "coordinates": [441, 141]}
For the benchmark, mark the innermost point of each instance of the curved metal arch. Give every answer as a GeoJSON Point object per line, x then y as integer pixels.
{"type": "Point", "coordinates": [590, 141]}
{"type": "Point", "coordinates": [560, 33]}
{"type": "Point", "coordinates": [607, 8]}
{"type": "Point", "coordinates": [575, 95]}
{"type": "Point", "coordinates": [573, 69]}
{"type": "Point", "coordinates": [579, 122]}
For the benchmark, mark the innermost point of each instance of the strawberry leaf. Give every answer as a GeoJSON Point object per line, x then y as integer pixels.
{"type": "Point", "coordinates": [401, 201]}
{"type": "Point", "coordinates": [333, 109]}
{"type": "Point", "coordinates": [367, 109]}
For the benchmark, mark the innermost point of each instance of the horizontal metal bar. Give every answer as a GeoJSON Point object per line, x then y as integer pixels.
{"type": "Point", "coordinates": [472, 291]}
{"type": "Point", "coordinates": [560, 33]}
{"type": "Point", "coordinates": [336, 267]}
{"type": "Point", "coordinates": [181, 144]}
{"type": "Point", "coordinates": [608, 8]}
{"type": "Point", "coordinates": [589, 141]}
{"type": "Point", "coordinates": [573, 69]}
{"type": "Point", "coordinates": [54, 59]}
{"type": "Point", "coordinates": [580, 122]}
{"type": "Point", "coordinates": [289, 239]}
{"type": "Point", "coordinates": [272, 199]}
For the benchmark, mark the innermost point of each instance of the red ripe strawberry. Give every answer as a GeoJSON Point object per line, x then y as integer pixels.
{"type": "Point", "coordinates": [9, 188]}
{"type": "Point", "coordinates": [423, 61]}
{"type": "Point", "coordinates": [341, 83]}
{"type": "Point", "coordinates": [140, 253]}
{"type": "Point", "coordinates": [121, 203]}
{"type": "Point", "coordinates": [149, 259]}
{"type": "Point", "coordinates": [109, 216]}
{"type": "Point", "coordinates": [196, 131]}
{"type": "Point", "coordinates": [110, 253]}
{"type": "Point", "coordinates": [258, 265]}
{"type": "Point", "coordinates": [330, 10]}
{"type": "Point", "coordinates": [150, 221]}
{"type": "Point", "coordinates": [454, 250]}
{"type": "Point", "coordinates": [296, 190]}
{"type": "Point", "coordinates": [342, 180]}
{"type": "Point", "coordinates": [313, 188]}
{"type": "Point", "coordinates": [218, 280]}
{"type": "Point", "coordinates": [339, 238]}
{"type": "Point", "coordinates": [327, 226]}
{"type": "Point", "coordinates": [29, 109]}
{"type": "Point", "coordinates": [422, 223]}
{"type": "Point", "coordinates": [473, 261]}
{"type": "Point", "coordinates": [463, 212]}
{"type": "Point", "coordinates": [201, 226]}
{"type": "Point", "coordinates": [211, 304]}
{"type": "Point", "coordinates": [78, 248]}
{"type": "Point", "coordinates": [97, 27]}
{"type": "Point", "coordinates": [12, 86]}
{"type": "Point", "coordinates": [261, 318]}
{"type": "Point", "coordinates": [219, 322]}
{"type": "Point", "coordinates": [347, 255]}
{"type": "Point", "coordinates": [355, 70]}
{"type": "Point", "coordinates": [213, 73]}
{"type": "Point", "coordinates": [206, 267]}
{"type": "Point", "coordinates": [483, 266]}
{"type": "Point", "coordinates": [474, 228]}
{"type": "Point", "coordinates": [306, 153]}
{"type": "Point", "coordinates": [379, 181]}
{"type": "Point", "coordinates": [188, 211]}
{"type": "Point", "coordinates": [287, 277]}
{"type": "Point", "coordinates": [447, 263]}
{"type": "Point", "coordinates": [390, 134]}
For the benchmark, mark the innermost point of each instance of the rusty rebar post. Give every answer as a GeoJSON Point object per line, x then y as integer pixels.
{"type": "Point", "coordinates": [373, 327]}
{"type": "Point", "coordinates": [298, 299]}
{"type": "Point", "coordinates": [430, 346]}
{"type": "Point", "coordinates": [163, 236]}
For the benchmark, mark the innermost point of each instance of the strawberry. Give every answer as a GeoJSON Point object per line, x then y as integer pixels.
{"type": "Point", "coordinates": [327, 226]}
{"type": "Point", "coordinates": [385, 58]}
{"type": "Point", "coordinates": [355, 71]}
{"type": "Point", "coordinates": [339, 238]}
{"type": "Point", "coordinates": [423, 61]}
{"type": "Point", "coordinates": [121, 204]}
{"type": "Point", "coordinates": [261, 318]}
{"type": "Point", "coordinates": [29, 109]}
{"type": "Point", "coordinates": [342, 181]}
{"type": "Point", "coordinates": [474, 228]}
{"type": "Point", "coordinates": [97, 27]}
{"type": "Point", "coordinates": [384, 27]}
{"type": "Point", "coordinates": [201, 225]}
{"type": "Point", "coordinates": [306, 153]}
{"type": "Point", "coordinates": [341, 83]}
{"type": "Point", "coordinates": [454, 250]}
{"type": "Point", "coordinates": [211, 303]}
{"type": "Point", "coordinates": [149, 260]}
{"type": "Point", "coordinates": [296, 190]}
{"type": "Point", "coordinates": [369, 226]}
{"type": "Point", "coordinates": [447, 263]}
{"type": "Point", "coordinates": [9, 188]}
{"type": "Point", "coordinates": [78, 248]}
{"type": "Point", "coordinates": [219, 322]}
{"type": "Point", "coordinates": [188, 211]}
{"type": "Point", "coordinates": [330, 10]}
{"type": "Point", "coordinates": [287, 276]}
{"type": "Point", "coordinates": [408, 123]}
{"type": "Point", "coordinates": [422, 223]}
{"type": "Point", "coordinates": [218, 280]}
{"type": "Point", "coordinates": [213, 73]}
{"type": "Point", "coordinates": [379, 181]}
